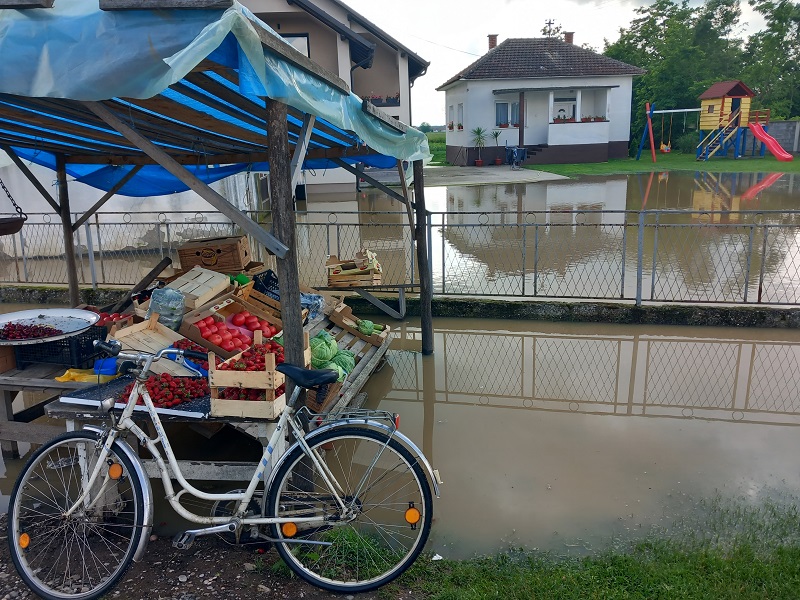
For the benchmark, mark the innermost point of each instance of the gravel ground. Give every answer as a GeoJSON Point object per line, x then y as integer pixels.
{"type": "Point", "coordinates": [210, 569]}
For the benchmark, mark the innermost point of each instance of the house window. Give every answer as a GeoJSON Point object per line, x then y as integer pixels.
{"type": "Point", "coordinates": [451, 115]}
{"type": "Point", "coordinates": [460, 114]}
{"type": "Point", "coordinates": [299, 42]}
{"type": "Point", "coordinates": [514, 113]}
{"type": "Point", "coordinates": [500, 114]}
{"type": "Point", "coordinates": [711, 109]}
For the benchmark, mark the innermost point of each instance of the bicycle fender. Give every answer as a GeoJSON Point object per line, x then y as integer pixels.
{"type": "Point", "coordinates": [147, 490]}
{"type": "Point", "coordinates": [411, 446]}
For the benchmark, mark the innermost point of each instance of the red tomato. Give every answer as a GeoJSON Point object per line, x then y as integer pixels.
{"type": "Point", "coordinates": [251, 319]}
{"type": "Point", "coordinates": [227, 345]}
{"type": "Point", "coordinates": [225, 334]}
{"type": "Point", "coordinates": [273, 331]}
{"type": "Point", "coordinates": [245, 314]}
{"type": "Point", "coordinates": [238, 319]}
{"type": "Point", "coordinates": [213, 328]}
{"type": "Point", "coordinates": [265, 330]}
{"type": "Point", "coordinates": [103, 315]}
{"type": "Point", "coordinates": [215, 339]}
{"type": "Point", "coordinates": [103, 321]}
{"type": "Point", "coordinates": [204, 332]}
{"type": "Point", "coordinates": [237, 342]}
{"type": "Point", "coordinates": [114, 317]}
{"type": "Point", "coordinates": [209, 321]}
{"type": "Point", "coordinates": [253, 325]}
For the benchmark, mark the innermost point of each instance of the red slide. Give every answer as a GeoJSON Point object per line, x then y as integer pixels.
{"type": "Point", "coordinates": [759, 187]}
{"type": "Point", "coordinates": [770, 142]}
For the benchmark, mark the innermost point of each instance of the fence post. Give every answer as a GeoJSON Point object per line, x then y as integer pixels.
{"type": "Point", "coordinates": [536, 259]}
{"type": "Point", "coordinates": [763, 264]}
{"type": "Point", "coordinates": [429, 219]}
{"type": "Point", "coordinates": [444, 250]}
{"type": "Point", "coordinates": [90, 251]}
{"type": "Point", "coordinates": [624, 252]}
{"type": "Point", "coordinates": [749, 261]}
{"type": "Point", "coordinates": [655, 258]}
{"type": "Point", "coordinates": [100, 248]}
{"type": "Point", "coordinates": [524, 255]}
{"type": "Point", "coordinates": [639, 259]}
{"type": "Point", "coordinates": [24, 258]}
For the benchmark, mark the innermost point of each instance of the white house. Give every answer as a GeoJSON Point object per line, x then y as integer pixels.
{"type": "Point", "coordinates": [372, 62]}
{"type": "Point", "coordinates": [564, 103]}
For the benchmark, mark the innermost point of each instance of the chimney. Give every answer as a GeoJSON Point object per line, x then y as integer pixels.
{"type": "Point", "coordinates": [569, 36]}
{"type": "Point", "coordinates": [492, 41]}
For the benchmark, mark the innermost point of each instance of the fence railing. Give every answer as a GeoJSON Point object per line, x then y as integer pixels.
{"type": "Point", "coordinates": [743, 257]}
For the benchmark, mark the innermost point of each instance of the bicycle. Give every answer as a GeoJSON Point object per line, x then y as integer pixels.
{"type": "Point", "coordinates": [348, 506]}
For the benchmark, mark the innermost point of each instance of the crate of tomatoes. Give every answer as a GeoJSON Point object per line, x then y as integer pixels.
{"type": "Point", "coordinates": [247, 385]}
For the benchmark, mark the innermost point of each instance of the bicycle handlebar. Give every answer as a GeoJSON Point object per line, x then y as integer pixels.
{"type": "Point", "coordinates": [114, 348]}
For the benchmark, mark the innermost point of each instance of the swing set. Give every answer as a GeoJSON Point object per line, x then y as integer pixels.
{"type": "Point", "coordinates": [11, 225]}
{"type": "Point", "coordinates": [664, 148]}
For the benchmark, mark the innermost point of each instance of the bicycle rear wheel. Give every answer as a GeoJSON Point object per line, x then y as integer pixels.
{"type": "Point", "coordinates": [85, 554]}
{"type": "Point", "coordinates": [387, 518]}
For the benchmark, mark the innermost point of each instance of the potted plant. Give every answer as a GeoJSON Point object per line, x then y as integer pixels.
{"type": "Point", "coordinates": [495, 135]}
{"type": "Point", "coordinates": [450, 126]}
{"type": "Point", "coordinates": [460, 127]}
{"type": "Point", "coordinates": [503, 125]}
{"type": "Point", "coordinates": [479, 141]}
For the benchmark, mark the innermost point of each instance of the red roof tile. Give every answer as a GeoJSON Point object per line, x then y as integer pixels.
{"type": "Point", "coordinates": [727, 88]}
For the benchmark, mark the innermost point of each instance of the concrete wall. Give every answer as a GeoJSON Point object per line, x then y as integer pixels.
{"type": "Point", "coordinates": [787, 133]}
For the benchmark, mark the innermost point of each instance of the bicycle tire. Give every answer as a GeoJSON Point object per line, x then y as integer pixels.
{"type": "Point", "coordinates": [378, 543]}
{"type": "Point", "coordinates": [83, 556]}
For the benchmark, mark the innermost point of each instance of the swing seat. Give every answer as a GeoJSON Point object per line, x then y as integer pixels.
{"type": "Point", "coordinates": [665, 149]}
{"type": "Point", "coordinates": [11, 225]}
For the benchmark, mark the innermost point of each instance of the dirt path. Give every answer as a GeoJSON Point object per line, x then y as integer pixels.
{"type": "Point", "coordinates": [211, 569]}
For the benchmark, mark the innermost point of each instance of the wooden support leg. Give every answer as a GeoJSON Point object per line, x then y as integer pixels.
{"type": "Point", "coordinates": [10, 449]}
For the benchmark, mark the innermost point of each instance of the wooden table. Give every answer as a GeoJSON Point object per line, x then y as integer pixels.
{"type": "Point", "coordinates": [17, 428]}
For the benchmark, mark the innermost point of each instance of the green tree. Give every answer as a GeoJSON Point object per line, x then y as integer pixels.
{"type": "Point", "coordinates": [425, 127]}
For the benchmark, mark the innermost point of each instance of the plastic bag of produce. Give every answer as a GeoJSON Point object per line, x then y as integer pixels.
{"type": "Point", "coordinates": [169, 306]}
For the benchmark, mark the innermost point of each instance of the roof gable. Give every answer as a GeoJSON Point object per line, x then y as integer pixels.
{"type": "Point", "coordinates": [724, 89]}
{"type": "Point", "coordinates": [528, 58]}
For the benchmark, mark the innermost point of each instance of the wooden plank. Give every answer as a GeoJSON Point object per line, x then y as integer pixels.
{"type": "Point", "coordinates": [33, 433]}
{"type": "Point", "coordinates": [66, 225]}
{"type": "Point", "coordinates": [151, 336]}
{"type": "Point", "coordinates": [164, 4]}
{"type": "Point", "coordinates": [423, 266]}
{"type": "Point", "coordinates": [372, 110]}
{"type": "Point", "coordinates": [31, 177]}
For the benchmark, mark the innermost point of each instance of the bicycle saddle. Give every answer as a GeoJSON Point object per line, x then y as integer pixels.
{"type": "Point", "coordinates": [307, 378]}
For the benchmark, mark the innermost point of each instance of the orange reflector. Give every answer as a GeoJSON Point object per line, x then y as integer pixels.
{"type": "Point", "coordinates": [413, 516]}
{"type": "Point", "coordinates": [397, 420]}
{"type": "Point", "coordinates": [24, 541]}
{"type": "Point", "coordinates": [115, 471]}
{"type": "Point", "coordinates": [289, 529]}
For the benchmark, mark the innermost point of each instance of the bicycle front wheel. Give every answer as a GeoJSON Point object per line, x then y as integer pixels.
{"type": "Point", "coordinates": [82, 555]}
{"type": "Point", "coordinates": [386, 517]}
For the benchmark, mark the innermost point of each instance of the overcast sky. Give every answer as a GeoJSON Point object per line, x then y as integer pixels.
{"type": "Point", "coordinates": [451, 34]}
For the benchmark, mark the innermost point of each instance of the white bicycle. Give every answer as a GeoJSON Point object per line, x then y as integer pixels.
{"type": "Point", "coordinates": [348, 506]}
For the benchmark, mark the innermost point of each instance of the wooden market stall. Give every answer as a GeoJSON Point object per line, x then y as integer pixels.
{"type": "Point", "coordinates": [189, 105]}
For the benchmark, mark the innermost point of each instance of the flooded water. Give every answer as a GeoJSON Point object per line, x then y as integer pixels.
{"type": "Point", "coordinates": [573, 438]}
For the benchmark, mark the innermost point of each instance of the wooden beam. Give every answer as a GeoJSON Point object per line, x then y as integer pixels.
{"type": "Point", "coordinates": [34, 433]}
{"type": "Point", "coordinates": [107, 196]}
{"type": "Point", "coordinates": [369, 108]}
{"type": "Point", "coordinates": [31, 177]}
{"type": "Point", "coordinates": [66, 224]}
{"type": "Point", "coordinates": [19, 4]}
{"type": "Point", "coordinates": [300, 150]}
{"type": "Point", "coordinates": [277, 46]}
{"type": "Point", "coordinates": [409, 210]}
{"type": "Point", "coordinates": [194, 183]}
{"type": "Point", "coordinates": [284, 226]}
{"type": "Point", "coordinates": [164, 4]}
{"type": "Point", "coordinates": [383, 187]}
{"type": "Point", "coordinates": [425, 281]}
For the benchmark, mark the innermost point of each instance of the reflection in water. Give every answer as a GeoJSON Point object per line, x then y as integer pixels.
{"type": "Point", "coordinates": [524, 425]}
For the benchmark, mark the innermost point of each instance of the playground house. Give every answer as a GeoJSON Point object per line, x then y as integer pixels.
{"type": "Point", "coordinates": [561, 102]}
{"type": "Point", "coordinates": [726, 117]}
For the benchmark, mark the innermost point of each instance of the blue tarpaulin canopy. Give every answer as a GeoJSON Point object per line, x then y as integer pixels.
{"type": "Point", "coordinates": [192, 82]}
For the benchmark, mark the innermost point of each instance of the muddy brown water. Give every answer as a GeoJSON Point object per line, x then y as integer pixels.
{"type": "Point", "coordinates": [575, 437]}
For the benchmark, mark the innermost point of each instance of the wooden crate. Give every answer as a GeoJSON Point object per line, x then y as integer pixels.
{"type": "Point", "coordinates": [267, 380]}
{"type": "Point", "coordinates": [343, 316]}
{"type": "Point", "coordinates": [365, 261]}
{"type": "Point", "coordinates": [222, 254]}
{"type": "Point", "coordinates": [152, 336]}
{"type": "Point", "coordinates": [222, 309]}
{"type": "Point", "coordinates": [199, 286]}
{"type": "Point", "coordinates": [7, 359]}
{"type": "Point", "coordinates": [353, 281]}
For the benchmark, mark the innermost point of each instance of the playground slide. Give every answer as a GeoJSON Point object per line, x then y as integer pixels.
{"type": "Point", "coordinates": [759, 187]}
{"type": "Point", "coordinates": [770, 142]}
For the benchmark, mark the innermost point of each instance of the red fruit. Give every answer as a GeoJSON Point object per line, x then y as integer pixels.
{"type": "Point", "coordinates": [266, 330]}
{"type": "Point", "coordinates": [209, 321]}
{"type": "Point", "coordinates": [114, 317]}
{"type": "Point", "coordinates": [273, 331]}
{"type": "Point", "coordinates": [253, 325]}
{"type": "Point", "coordinates": [213, 328]}
{"type": "Point", "coordinates": [225, 334]}
{"type": "Point", "coordinates": [215, 339]}
{"type": "Point", "coordinates": [103, 315]}
{"type": "Point", "coordinates": [238, 319]}
{"type": "Point", "coordinates": [237, 342]}
{"type": "Point", "coordinates": [245, 314]}
{"type": "Point", "coordinates": [227, 345]}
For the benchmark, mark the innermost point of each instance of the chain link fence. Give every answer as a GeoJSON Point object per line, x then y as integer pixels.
{"type": "Point", "coordinates": [743, 257]}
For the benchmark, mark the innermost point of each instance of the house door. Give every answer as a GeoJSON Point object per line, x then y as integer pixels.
{"type": "Point", "coordinates": [563, 110]}
{"type": "Point", "coordinates": [736, 104]}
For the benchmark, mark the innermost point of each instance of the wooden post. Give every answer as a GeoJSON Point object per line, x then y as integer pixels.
{"type": "Point", "coordinates": [66, 224]}
{"type": "Point", "coordinates": [521, 120]}
{"type": "Point", "coordinates": [425, 282]}
{"type": "Point", "coordinates": [283, 222]}
{"type": "Point", "coordinates": [9, 448]}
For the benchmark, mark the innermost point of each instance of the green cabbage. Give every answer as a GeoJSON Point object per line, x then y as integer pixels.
{"type": "Point", "coordinates": [346, 360]}
{"type": "Point", "coordinates": [366, 327]}
{"type": "Point", "coordinates": [323, 348]}
{"type": "Point", "coordinates": [333, 367]}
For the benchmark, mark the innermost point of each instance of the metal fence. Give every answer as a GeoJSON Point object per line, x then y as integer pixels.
{"type": "Point", "coordinates": [743, 257]}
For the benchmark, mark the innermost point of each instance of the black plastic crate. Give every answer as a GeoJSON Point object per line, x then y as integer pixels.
{"type": "Point", "coordinates": [76, 352]}
{"type": "Point", "coordinates": [267, 283]}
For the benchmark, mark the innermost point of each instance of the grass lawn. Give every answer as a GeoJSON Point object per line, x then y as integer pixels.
{"type": "Point", "coordinates": [674, 162]}
{"type": "Point", "coordinates": [438, 147]}
{"type": "Point", "coordinates": [729, 550]}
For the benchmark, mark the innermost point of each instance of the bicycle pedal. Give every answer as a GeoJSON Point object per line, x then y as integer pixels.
{"type": "Point", "coordinates": [184, 540]}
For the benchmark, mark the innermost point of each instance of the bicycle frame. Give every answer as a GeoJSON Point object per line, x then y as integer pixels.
{"type": "Point", "coordinates": [126, 423]}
